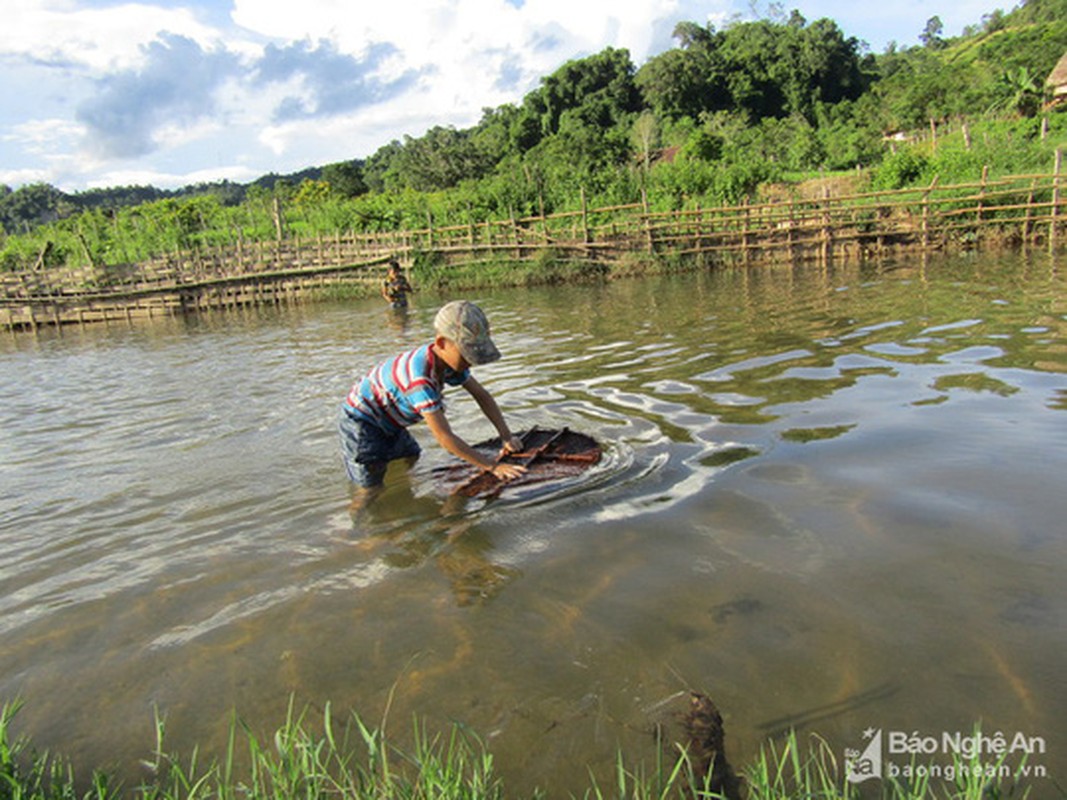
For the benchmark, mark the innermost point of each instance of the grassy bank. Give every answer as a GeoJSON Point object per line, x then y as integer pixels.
{"type": "Point", "coordinates": [548, 267]}
{"type": "Point", "coordinates": [431, 272]}
{"type": "Point", "coordinates": [326, 757]}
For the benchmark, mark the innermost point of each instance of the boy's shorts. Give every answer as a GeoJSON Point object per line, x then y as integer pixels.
{"type": "Point", "coordinates": [368, 449]}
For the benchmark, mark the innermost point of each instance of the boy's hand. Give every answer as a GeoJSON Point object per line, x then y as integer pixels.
{"type": "Point", "coordinates": [507, 472]}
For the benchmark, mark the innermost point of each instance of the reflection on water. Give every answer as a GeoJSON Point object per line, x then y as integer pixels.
{"type": "Point", "coordinates": [830, 499]}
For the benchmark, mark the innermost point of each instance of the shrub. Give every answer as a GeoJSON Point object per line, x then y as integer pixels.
{"type": "Point", "coordinates": [900, 169]}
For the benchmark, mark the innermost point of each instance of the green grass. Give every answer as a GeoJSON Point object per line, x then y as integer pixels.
{"type": "Point", "coordinates": [545, 268]}
{"type": "Point", "coordinates": [330, 759]}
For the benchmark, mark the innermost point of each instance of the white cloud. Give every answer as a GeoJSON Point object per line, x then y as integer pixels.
{"type": "Point", "coordinates": [171, 135]}
{"type": "Point", "coordinates": [22, 177]}
{"type": "Point", "coordinates": [469, 54]}
{"type": "Point", "coordinates": [306, 82]}
{"type": "Point", "coordinates": [42, 136]}
{"type": "Point", "coordinates": [245, 106]}
{"type": "Point", "coordinates": [64, 32]}
{"type": "Point", "coordinates": [322, 141]}
{"type": "Point", "coordinates": [451, 33]}
{"type": "Point", "coordinates": [171, 180]}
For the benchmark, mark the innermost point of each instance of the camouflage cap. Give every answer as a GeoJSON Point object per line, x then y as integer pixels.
{"type": "Point", "coordinates": [466, 325]}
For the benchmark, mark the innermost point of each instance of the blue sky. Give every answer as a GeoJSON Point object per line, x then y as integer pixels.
{"type": "Point", "coordinates": [172, 92]}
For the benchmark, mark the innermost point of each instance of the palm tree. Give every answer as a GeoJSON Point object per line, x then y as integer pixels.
{"type": "Point", "coordinates": [1021, 92]}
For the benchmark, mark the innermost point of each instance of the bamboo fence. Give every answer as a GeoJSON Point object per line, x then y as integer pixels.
{"type": "Point", "coordinates": [1020, 210]}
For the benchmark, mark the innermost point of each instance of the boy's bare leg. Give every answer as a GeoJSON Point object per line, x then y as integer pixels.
{"type": "Point", "coordinates": [361, 497]}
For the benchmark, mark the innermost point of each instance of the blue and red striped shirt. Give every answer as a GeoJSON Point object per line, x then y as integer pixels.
{"type": "Point", "coordinates": [399, 391]}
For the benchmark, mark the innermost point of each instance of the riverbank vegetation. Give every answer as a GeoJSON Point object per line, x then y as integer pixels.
{"type": "Point", "coordinates": [741, 113]}
{"type": "Point", "coordinates": [310, 759]}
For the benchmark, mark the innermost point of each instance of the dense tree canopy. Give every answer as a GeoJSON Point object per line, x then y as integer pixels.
{"type": "Point", "coordinates": [599, 88]}
{"type": "Point", "coordinates": [439, 159]}
{"type": "Point", "coordinates": [760, 69]}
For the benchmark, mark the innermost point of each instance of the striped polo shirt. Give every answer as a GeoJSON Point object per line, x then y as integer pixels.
{"type": "Point", "coordinates": [397, 392]}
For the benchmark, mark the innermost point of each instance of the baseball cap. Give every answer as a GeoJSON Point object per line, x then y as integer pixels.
{"type": "Point", "coordinates": [466, 325]}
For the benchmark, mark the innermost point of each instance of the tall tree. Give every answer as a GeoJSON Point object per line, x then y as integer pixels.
{"type": "Point", "coordinates": [31, 205]}
{"type": "Point", "coordinates": [345, 177]}
{"type": "Point", "coordinates": [604, 81]}
{"type": "Point", "coordinates": [931, 35]}
{"type": "Point", "coordinates": [439, 159]}
{"type": "Point", "coordinates": [688, 80]}
{"type": "Point", "coordinates": [378, 169]}
{"type": "Point", "coordinates": [646, 136]}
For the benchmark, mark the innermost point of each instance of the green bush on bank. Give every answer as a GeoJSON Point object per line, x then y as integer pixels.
{"type": "Point", "coordinates": [998, 146]}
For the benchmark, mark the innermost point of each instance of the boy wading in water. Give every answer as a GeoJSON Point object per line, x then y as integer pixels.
{"type": "Point", "coordinates": [406, 388]}
{"type": "Point", "coordinates": [395, 287]}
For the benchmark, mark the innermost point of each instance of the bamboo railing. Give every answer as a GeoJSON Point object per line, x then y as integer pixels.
{"type": "Point", "coordinates": [1020, 210]}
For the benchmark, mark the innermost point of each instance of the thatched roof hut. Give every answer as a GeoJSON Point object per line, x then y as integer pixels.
{"type": "Point", "coordinates": [1057, 81]}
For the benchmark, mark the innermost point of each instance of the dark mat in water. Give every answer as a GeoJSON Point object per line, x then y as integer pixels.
{"type": "Point", "coordinates": [547, 454]}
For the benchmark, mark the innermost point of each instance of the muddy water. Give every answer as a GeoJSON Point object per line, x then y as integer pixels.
{"type": "Point", "coordinates": [833, 500]}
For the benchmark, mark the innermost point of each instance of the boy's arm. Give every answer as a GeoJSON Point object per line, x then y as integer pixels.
{"type": "Point", "coordinates": [437, 422]}
{"type": "Point", "coordinates": [492, 412]}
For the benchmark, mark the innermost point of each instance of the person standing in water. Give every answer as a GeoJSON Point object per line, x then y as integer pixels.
{"type": "Point", "coordinates": [395, 287]}
{"type": "Point", "coordinates": [408, 388]}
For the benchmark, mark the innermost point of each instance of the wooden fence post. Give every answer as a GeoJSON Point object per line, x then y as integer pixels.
{"type": "Point", "coordinates": [698, 229]}
{"type": "Point", "coordinates": [926, 214]}
{"type": "Point", "coordinates": [276, 213]}
{"type": "Point", "coordinates": [1029, 212]}
{"type": "Point", "coordinates": [744, 230]}
{"type": "Point", "coordinates": [541, 207]}
{"type": "Point", "coordinates": [981, 190]}
{"type": "Point", "coordinates": [789, 228]}
{"type": "Point", "coordinates": [1053, 220]}
{"type": "Point", "coordinates": [86, 250]}
{"type": "Point", "coordinates": [515, 233]}
{"type": "Point", "coordinates": [41, 256]}
{"type": "Point", "coordinates": [827, 241]}
{"type": "Point", "coordinates": [585, 219]}
{"type": "Point", "coordinates": [648, 221]}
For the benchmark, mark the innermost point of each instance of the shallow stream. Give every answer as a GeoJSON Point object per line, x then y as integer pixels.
{"type": "Point", "coordinates": [832, 499]}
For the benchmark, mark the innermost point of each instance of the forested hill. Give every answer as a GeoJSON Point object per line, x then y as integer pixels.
{"type": "Point", "coordinates": [720, 113]}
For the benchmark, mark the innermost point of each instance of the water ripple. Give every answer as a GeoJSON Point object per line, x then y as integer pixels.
{"type": "Point", "coordinates": [174, 494]}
